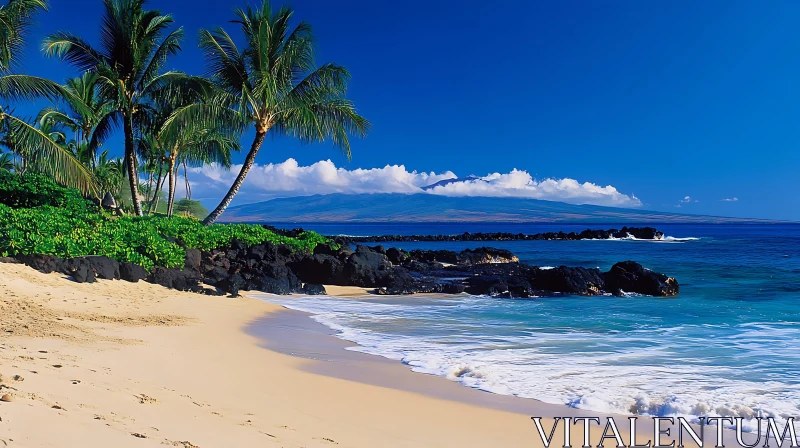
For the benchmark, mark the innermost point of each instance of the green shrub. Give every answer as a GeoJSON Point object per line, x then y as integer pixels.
{"type": "Point", "coordinates": [37, 216]}
{"type": "Point", "coordinates": [34, 190]}
{"type": "Point", "coordinates": [141, 240]}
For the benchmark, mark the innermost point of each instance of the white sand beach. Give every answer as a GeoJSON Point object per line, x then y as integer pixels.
{"type": "Point", "coordinates": [121, 364]}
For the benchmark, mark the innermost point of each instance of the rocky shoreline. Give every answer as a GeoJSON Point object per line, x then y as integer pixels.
{"type": "Point", "coordinates": [277, 269]}
{"type": "Point", "coordinates": [641, 233]}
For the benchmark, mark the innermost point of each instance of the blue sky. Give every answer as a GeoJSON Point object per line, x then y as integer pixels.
{"type": "Point", "coordinates": [661, 100]}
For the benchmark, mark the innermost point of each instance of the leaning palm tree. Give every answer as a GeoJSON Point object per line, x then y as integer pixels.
{"type": "Point", "coordinates": [277, 87]}
{"type": "Point", "coordinates": [90, 116]}
{"type": "Point", "coordinates": [20, 136]}
{"type": "Point", "coordinates": [135, 44]}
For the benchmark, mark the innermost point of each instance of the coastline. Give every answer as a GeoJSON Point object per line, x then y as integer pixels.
{"type": "Point", "coordinates": [114, 363]}
{"type": "Point", "coordinates": [101, 365]}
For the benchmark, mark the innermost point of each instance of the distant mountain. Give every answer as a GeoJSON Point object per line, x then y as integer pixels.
{"type": "Point", "coordinates": [394, 207]}
{"type": "Point", "coordinates": [450, 181]}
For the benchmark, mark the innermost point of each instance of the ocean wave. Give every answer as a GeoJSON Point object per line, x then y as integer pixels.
{"type": "Point", "coordinates": [639, 371]}
{"type": "Point", "coordinates": [664, 239]}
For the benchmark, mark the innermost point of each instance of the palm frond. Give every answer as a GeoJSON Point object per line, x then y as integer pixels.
{"type": "Point", "coordinates": [26, 87]}
{"type": "Point", "coordinates": [103, 129]}
{"type": "Point", "coordinates": [54, 160]}
{"type": "Point", "coordinates": [16, 18]}
{"type": "Point", "coordinates": [225, 63]}
{"type": "Point", "coordinates": [170, 46]}
{"type": "Point", "coordinates": [73, 50]}
{"type": "Point", "coordinates": [333, 119]}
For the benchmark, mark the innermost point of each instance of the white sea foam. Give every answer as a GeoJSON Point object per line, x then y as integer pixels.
{"type": "Point", "coordinates": [664, 239]}
{"type": "Point", "coordinates": [614, 372]}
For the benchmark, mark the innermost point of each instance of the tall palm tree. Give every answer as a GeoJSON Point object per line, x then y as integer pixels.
{"type": "Point", "coordinates": [277, 87]}
{"type": "Point", "coordinates": [90, 116]}
{"type": "Point", "coordinates": [20, 136]}
{"type": "Point", "coordinates": [135, 44]}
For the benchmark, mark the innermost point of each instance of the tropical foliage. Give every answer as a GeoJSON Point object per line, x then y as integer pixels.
{"type": "Point", "coordinates": [135, 45]}
{"type": "Point", "coordinates": [55, 169]}
{"type": "Point", "coordinates": [276, 87]}
{"type": "Point", "coordinates": [36, 149]}
{"type": "Point", "coordinates": [37, 216]}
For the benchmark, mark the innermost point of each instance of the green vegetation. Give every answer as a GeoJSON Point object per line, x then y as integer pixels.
{"type": "Point", "coordinates": [36, 149]}
{"type": "Point", "coordinates": [273, 84]}
{"type": "Point", "coordinates": [54, 170]}
{"type": "Point", "coordinates": [37, 216]}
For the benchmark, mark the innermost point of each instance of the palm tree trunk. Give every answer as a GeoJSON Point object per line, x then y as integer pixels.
{"type": "Point", "coordinates": [149, 191]}
{"type": "Point", "coordinates": [159, 184]}
{"type": "Point", "coordinates": [158, 196]}
{"type": "Point", "coordinates": [171, 198]}
{"type": "Point", "coordinates": [130, 163]}
{"type": "Point", "coordinates": [248, 163]}
{"type": "Point", "coordinates": [186, 178]}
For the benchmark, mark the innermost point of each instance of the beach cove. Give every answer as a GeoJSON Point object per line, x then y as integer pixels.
{"type": "Point", "coordinates": [123, 364]}
{"type": "Point", "coordinates": [136, 364]}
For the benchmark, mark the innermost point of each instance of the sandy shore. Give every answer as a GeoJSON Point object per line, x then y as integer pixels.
{"type": "Point", "coordinates": [121, 364]}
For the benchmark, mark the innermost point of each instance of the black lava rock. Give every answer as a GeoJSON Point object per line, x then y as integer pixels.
{"type": "Point", "coordinates": [193, 259]}
{"type": "Point", "coordinates": [104, 267]}
{"type": "Point", "coordinates": [131, 272]}
{"type": "Point", "coordinates": [182, 280]}
{"type": "Point", "coordinates": [44, 263]}
{"type": "Point", "coordinates": [581, 281]}
{"type": "Point", "coordinates": [312, 289]}
{"type": "Point", "coordinates": [232, 284]}
{"type": "Point", "coordinates": [80, 269]}
{"type": "Point", "coordinates": [629, 276]}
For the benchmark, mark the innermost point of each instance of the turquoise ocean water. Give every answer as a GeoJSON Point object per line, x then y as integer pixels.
{"type": "Point", "coordinates": [729, 344]}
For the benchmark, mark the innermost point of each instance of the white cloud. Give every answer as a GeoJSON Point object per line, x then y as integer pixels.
{"type": "Point", "coordinates": [687, 199]}
{"type": "Point", "coordinates": [734, 199]}
{"type": "Point", "coordinates": [289, 179]}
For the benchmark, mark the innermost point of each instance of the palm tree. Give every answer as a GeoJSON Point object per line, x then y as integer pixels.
{"type": "Point", "coordinates": [191, 143]}
{"type": "Point", "coordinates": [110, 173]}
{"type": "Point", "coordinates": [135, 44]}
{"type": "Point", "coordinates": [277, 87]}
{"type": "Point", "coordinates": [91, 117]}
{"type": "Point", "coordinates": [20, 136]}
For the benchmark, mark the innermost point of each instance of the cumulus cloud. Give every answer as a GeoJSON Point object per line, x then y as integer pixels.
{"type": "Point", "coordinates": [686, 200]}
{"type": "Point", "coordinates": [289, 179]}
{"type": "Point", "coordinates": [733, 199]}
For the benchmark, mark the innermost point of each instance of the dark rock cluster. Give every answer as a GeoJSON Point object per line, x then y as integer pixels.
{"type": "Point", "coordinates": [278, 269]}
{"type": "Point", "coordinates": [433, 271]}
{"type": "Point", "coordinates": [642, 233]}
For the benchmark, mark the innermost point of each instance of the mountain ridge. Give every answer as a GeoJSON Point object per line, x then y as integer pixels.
{"type": "Point", "coordinates": [400, 207]}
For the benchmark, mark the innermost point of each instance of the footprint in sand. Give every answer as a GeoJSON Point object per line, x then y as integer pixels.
{"type": "Point", "coordinates": [144, 399]}
{"type": "Point", "coordinates": [182, 444]}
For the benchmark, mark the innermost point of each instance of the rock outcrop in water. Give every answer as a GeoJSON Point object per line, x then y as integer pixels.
{"type": "Point", "coordinates": [277, 269]}
{"type": "Point", "coordinates": [642, 233]}
{"type": "Point", "coordinates": [482, 271]}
